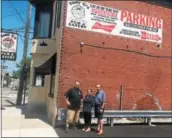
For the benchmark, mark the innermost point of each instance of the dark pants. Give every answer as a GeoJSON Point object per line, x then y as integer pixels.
{"type": "Point", "coordinates": [87, 119]}
{"type": "Point", "coordinates": [98, 114]}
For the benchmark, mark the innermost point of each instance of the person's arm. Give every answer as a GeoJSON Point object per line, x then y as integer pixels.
{"type": "Point", "coordinates": [104, 100]}
{"type": "Point", "coordinates": [67, 97]}
{"type": "Point", "coordinates": [93, 101]}
{"type": "Point", "coordinates": [82, 97]}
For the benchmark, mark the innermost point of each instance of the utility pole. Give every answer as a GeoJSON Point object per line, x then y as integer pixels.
{"type": "Point", "coordinates": [21, 81]}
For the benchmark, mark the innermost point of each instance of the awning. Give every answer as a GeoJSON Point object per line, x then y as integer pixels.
{"type": "Point", "coordinates": [48, 67]}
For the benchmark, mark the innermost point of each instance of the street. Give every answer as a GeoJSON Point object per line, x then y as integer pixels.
{"type": "Point", "coordinates": [123, 131]}
{"type": "Point", "coordinates": [21, 124]}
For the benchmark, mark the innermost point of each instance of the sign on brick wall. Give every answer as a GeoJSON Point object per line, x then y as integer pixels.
{"type": "Point", "coordinates": [8, 46]}
{"type": "Point", "coordinates": [96, 18]}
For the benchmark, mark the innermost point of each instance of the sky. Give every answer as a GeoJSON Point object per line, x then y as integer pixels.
{"type": "Point", "coordinates": [10, 20]}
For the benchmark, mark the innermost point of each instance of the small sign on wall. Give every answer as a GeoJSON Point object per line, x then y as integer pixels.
{"type": "Point", "coordinates": [91, 17]}
{"type": "Point", "coordinates": [8, 46]}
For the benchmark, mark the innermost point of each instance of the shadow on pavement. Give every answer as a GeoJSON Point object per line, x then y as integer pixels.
{"type": "Point", "coordinates": [28, 114]}
{"type": "Point", "coordinates": [120, 130]}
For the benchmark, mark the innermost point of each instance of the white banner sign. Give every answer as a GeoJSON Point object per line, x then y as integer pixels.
{"type": "Point", "coordinates": [96, 18]}
{"type": "Point", "coordinates": [8, 46]}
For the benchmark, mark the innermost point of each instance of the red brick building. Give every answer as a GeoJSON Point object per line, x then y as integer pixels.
{"type": "Point", "coordinates": [141, 66]}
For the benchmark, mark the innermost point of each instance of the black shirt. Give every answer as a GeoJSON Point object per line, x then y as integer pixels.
{"type": "Point", "coordinates": [74, 96]}
{"type": "Point", "coordinates": [88, 103]}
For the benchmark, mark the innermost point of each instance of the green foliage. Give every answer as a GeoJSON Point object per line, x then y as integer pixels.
{"type": "Point", "coordinates": [27, 63]}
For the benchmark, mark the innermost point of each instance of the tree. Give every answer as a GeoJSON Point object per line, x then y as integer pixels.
{"type": "Point", "coordinates": [27, 62]}
{"type": "Point", "coordinates": [24, 68]}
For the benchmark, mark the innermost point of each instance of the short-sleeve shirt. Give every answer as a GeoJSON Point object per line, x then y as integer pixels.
{"type": "Point", "coordinates": [74, 96]}
{"type": "Point", "coordinates": [100, 97]}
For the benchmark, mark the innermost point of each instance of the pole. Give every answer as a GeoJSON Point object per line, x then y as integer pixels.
{"type": "Point", "coordinates": [25, 84]}
{"type": "Point", "coordinates": [3, 72]}
{"type": "Point", "coordinates": [121, 97]}
{"type": "Point", "coordinates": [21, 83]}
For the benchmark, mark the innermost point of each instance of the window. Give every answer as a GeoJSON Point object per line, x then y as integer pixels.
{"type": "Point", "coordinates": [39, 80]}
{"type": "Point", "coordinates": [57, 16]}
{"type": "Point", "coordinates": [43, 21]}
{"type": "Point", "coordinates": [52, 85]}
{"type": "Point", "coordinates": [59, 3]}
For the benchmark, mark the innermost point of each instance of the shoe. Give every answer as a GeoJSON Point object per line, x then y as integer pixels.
{"type": "Point", "coordinates": [97, 130]}
{"type": "Point", "coordinates": [83, 129]}
{"type": "Point", "coordinates": [74, 128]}
{"type": "Point", "coordinates": [88, 130]}
{"type": "Point", "coordinates": [100, 133]}
{"type": "Point", "coordinates": [67, 130]}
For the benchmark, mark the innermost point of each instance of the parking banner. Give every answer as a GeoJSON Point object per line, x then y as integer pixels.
{"type": "Point", "coordinates": [96, 18]}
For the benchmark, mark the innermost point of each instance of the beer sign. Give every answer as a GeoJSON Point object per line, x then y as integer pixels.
{"type": "Point", "coordinates": [8, 46]}
{"type": "Point", "coordinates": [96, 18]}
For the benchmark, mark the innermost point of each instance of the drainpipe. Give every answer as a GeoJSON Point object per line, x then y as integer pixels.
{"type": "Point", "coordinates": [121, 97]}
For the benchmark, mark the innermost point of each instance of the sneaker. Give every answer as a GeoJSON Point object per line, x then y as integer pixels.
{"type": "Point", "coordinates": [83, 129]}
{"type": "Point", "coordinates": [67, 130]}
{"type": "Point", "coordinates": [88, 130]}
{"type": "Point", "coordinates": [74, 127]}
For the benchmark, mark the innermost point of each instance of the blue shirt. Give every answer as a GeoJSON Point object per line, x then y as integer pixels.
{"type": "Point", "coordinates": [100, 97]}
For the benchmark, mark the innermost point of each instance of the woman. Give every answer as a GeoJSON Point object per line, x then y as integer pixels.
{"type": "Point", "coordinates": [88, 104]}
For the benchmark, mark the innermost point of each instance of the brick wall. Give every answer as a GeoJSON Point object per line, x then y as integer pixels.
{"type": "Point", "coordinates": [146, 80]}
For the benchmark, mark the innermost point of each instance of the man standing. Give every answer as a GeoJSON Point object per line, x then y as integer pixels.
{"type": "Point", "coordinates": [73, 97]}
{"type": "Point", "coordinates": [100, 100]}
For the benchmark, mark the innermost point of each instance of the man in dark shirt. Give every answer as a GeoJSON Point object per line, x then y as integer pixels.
{"type": "Point", "coordinates": [74, 98]}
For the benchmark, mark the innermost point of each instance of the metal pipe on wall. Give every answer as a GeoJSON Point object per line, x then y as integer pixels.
{"type": "Point", "coordinates": [121, 97]}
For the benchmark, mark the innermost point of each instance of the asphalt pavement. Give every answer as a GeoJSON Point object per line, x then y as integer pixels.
{"type": "Point", "coordinates": [8, 98]}
{"type": "Point", "coordinates": [144, 131]}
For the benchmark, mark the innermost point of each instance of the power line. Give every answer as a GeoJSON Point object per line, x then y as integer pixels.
{"type": "Point", "coordinates": [124, 50]}
{"type": "Point", "coordinates": [14, 29]}
{"type": "Point", "coordinates": [3, 17]}
{"type": "Point", "coordinates": [127, 50]}
{"type": "Point", "coordinates": [17, 12]}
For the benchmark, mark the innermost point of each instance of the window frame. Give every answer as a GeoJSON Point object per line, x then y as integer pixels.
{"type": "Point", "coordinates": [58, 11]}
{"type": "Point", "coordinates": [42, 77]}
{"type": "Point", "coordinates": [39, 8]}
{"type": "Point", "coordinates": [52, 84]}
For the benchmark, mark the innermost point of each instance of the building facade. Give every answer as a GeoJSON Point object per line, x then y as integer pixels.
{"type": "Point", "coordinates": [113, 43]}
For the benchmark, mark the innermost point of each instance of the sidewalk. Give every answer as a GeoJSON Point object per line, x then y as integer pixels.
{"type": "Point", "coordinates": [19, 122]}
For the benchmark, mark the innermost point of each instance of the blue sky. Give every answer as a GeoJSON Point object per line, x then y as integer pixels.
{"type": "Point", "coordinates": [10, 20]}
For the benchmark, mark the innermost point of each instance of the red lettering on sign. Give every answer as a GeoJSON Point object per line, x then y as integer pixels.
{"type": "Point", "coordinates": [103, 13]}
{"type": "Point", "coordinates": [158, 22]}
{"type": "Point", "coordinates": [136, 17]}
{"type": "Point", "coordinates": [107, 28]}
{"type": "Point", "coordinates": [123, 15]}
{"type": "Point", "coordinates": [152, 22]}
{"type": "Point", "coordinates": [141, 20]}
{"type": "Point", "coordinates": [129, 18]}
{"type": "Point", "coordinates": [145, 35]}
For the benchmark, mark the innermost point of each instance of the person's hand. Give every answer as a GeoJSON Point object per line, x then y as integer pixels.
{"type": "Point", "coordinates": [101, 110]}
{"type": "Point", "coordinates": [68, 103]}
{"type": "Point", "coordinates": [81, 107]}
